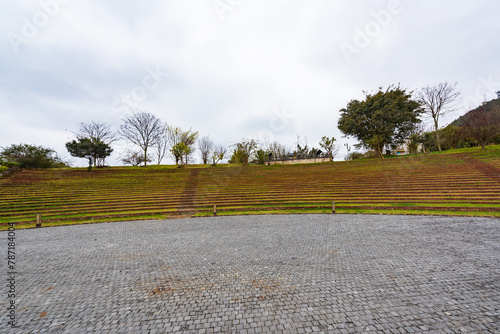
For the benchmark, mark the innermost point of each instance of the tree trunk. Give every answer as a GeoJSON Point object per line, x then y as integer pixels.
{"type": "Point", "coordinates": [380, 152]}
{"type": "Point", "coordinates": [145, 156]}
{"type": "Point", "coordinates": [437, 135]}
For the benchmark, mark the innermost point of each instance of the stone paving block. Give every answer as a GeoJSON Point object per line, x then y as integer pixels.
{"type": "Point", "coordinates": [261, 274]}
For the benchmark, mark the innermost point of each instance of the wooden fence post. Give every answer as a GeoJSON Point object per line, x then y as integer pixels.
{"type": "Point", "coordinates": [215, 209]}
{"type": "Point", "coordinates": [333, 207]}
{"type": "Point", "coordinates": [38, 220]}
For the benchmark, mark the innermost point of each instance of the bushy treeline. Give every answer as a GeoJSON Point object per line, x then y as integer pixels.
{"type": "Point", "coordinates": [29, 156]}
{"type": "Point", "coordinates": [386, 120]}
{"type": "Point", "coordinates": [391, 120]}
{"type": "Point", "coordinates": [152, 139]}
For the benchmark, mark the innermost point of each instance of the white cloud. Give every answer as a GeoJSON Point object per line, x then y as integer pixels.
{"type": "Point", "coordinates": [227, 76]}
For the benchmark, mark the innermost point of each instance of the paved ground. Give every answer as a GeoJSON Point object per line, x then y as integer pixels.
{"type": "Point", "coordinates": [260, 274]}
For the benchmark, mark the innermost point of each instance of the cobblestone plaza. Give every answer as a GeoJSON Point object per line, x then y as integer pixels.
{"type": "Point", "coordinates": [260, 274]}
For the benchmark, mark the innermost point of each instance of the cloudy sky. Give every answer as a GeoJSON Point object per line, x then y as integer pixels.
{"type": "Point", "coordinates": [231, 69]}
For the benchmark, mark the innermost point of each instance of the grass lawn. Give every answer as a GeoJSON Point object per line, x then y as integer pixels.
{"type": "Point", "coordinates": [455, 182]}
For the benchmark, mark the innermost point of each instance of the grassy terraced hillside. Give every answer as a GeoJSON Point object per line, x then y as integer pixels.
{"type": "Point", "coordinates": [459, 182]}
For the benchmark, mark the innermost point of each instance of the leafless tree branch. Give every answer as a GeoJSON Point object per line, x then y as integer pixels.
{"type": "Point", "coordinates": [438, 101]}
{"type": "Point", "coordinates": [142, 129]}
{"type": "Point", "coordinates": [205, 145]}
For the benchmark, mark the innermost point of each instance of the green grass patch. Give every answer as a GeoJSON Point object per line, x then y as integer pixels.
{"type": "Point", "coordinates": [354, 211]}
{"type": "Point", "coordinates": [447, 183]}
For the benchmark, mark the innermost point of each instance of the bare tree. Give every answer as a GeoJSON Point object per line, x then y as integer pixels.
{"type": "Point", "coordinates": [481, 125]}
{"type": "Point", "coordinates": [97, 132]}
{"type": "Point", "coordinates": [437, 101]}
{"type": "Point", "coordinates": [134, 158]}
{"type": "Point", "coordinates": [302, 147]}
{"type": "Point", "coordinates": [162, 144]}
{"type": "Point", "coordinates": [205, 145]}
{"type": "Point", "coordinates": [277, 150]}
{"type": "Point", "coordinates": [218, 154]}
{"type": "Point", "coordinates": [142, 129]}
{"type": "Point", "coordinates": [334, 152]}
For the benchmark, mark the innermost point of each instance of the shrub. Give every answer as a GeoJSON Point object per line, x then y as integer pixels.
{"type": "Point", "coordinates": [134, 158]}
{"type": "Point", "coordinates": [31, 156]}
{"type": "Point", "coordinates": [354, 156]}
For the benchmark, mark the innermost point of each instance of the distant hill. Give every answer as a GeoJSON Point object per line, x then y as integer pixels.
{"type": "Point", "coordinates": [489, 107]}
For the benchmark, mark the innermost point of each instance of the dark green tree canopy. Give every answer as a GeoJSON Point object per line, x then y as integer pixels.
{"type": "Point", "coordinates": [89, 148]}
{"type": "Point", "coordinates": [31, 156]}
{"type": "Point", "coordinates": [382, 119]}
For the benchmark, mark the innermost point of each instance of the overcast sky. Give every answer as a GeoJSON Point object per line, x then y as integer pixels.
{"type": "Point", "coordinates": [231, 69]}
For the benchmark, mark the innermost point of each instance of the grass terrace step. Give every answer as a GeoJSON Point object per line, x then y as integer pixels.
{"type": "Point", "coordinates": [464, 182]}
